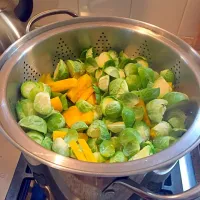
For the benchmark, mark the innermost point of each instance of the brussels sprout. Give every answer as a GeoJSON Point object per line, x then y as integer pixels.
{"type": "Point", "coordinates": [98, 73]}
{"type": "Point", "coordinates": [92, 144]}
{"type": "Point", "coordinates": [36, 136]}
{"type": "Point", "coordinates": [25, 108]}
{"type": "Point", "coordinates": [47, 88]}
{"type": "Point", "coordinates": [104, 83]}
{"type": "Point", "coordinates": [98, 129]}
{"type": "Point", "coordinates": [47, 143]}
{"type": "Point", "coordinates": [146, 151]}
{"type": "Point", "coordinates": [109, 63]}
{"type": "Point", "coordinates": [176, 118]}
{"type": "Point", "coordinates": [113, 54]}
{"type": "Point", "coordinates": [156, 75]}
{"type": "Point", "coordinates": [128, 117]}
{"type": "Point", "coordinates": [64, 101]}
{"type": "Point", "coordinates": [83, 55]}
{"type": "Point", "coordinates": [148, 143]}
{"type": "Point", "coordinates": [55, 94]}
{"type": "Point", "coordinates": [63, 129]}
{"type": "Point", "coordinates": [131, 69]}
{"type": "Point", "coordinates": [90, 53]}
{"type": "Point", "coordinates": [112, 71]}
{"type": "Point", "coordinates": [156, 109]}
{"type": "Point", "coordinates": [116, 143]}
{"type": "Point", "coordinates": [175, 97]}
{"type": "Point", "coordinates": [163, 142]}
{"type": "Point", "coordinates": [39, 87]}
{"type": "Point", "coordinates": [122, 56]}
{"type": "Point", "coordinates": [131, 148]}
{"type": "Point", "coordinates": [97, 94]}
{"type": "Point", "coordinates": [118, 157]}
{"type": "Point", "coordinates": [129, 135]}
{"type": "Point", "coordinates": [103, 58]}
{"type": "Point", "coordinates": [107, 149]}
{"type": "Point", "coordinates": [80, 126]}
{"type": "Point", "coordinates": [146, 75]}
{"type": "Point", "coordinates": [61, 71]}
{"type": "Point", "coordinates": [142, 61]}
{"type": "Point", "coordinates": [71, 135]}
{"type": "Point", "coordinates": [118, 87]}
{"type": "Point", "coordinates": [142, 129]}
{"type": "Point", "coordinates": [99, 157]}
{"type": "Point", "coordinates": [84, 106]}
{"type": "Point", "coordinates": [34, 123]}
{"type": "Point", "coordinates": [129, 99]}
{"type": "Point", "coordinates": [116, 127]}
{"type": "Point", "coordinates": [91, 65]}
{"type": "Point", "coordinates": [97, 112]}
{"type": "Point", "coordinates": [76, 69]}
{"type": "Point", "coordinates": [26, 88]}
{"type": "Point", "coordinates": [42, 103]}
{"type": "Point", "coordinates": [162, 129]}
{"type": "Point", "coordinates": [121, 73]}
{"type": "Point", "coordinates": [71, 154]}
{"type": "Point", "coordinates": [55, 122]}
{"type": "Point", "coordinates": [61, 147]}
{"type": "Point", "coordinates": [168, 75]}
{"type": "Point", "coordinates": [125, 61]}
{"type": "Point", "coordinates": [111, 108]}
{"type": "Point", "coordinates": [147, 94]}
{"type": "Point", "coordinates": [177, 132]}
{"type": "Point", "coordinates": [139, 113]}
{"type": "Point", "coordinates": [133, 82]}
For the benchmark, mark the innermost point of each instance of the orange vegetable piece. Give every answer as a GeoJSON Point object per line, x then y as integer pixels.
{"type": "Point", "coordinates": [59, 134]}
{"type": "Point", "coordinates": [152, 133]}
{"type": "Point", "coordinates": [57, 104]}
{"type": "Point", "coordinates": [60, 86]}
{"type": "Point", "coordinates": [77, 151]}
{"type": "Point", "coordinates": [87, 93]}
{"type": "Point", "coordinates": [42, 78]}
{"type": "Point", "coordinates": [83, 136]}
{"type": "Point", "coordinates": [48, 79]}
{"type": "Point", "coordinates": [87, 117]}
{"type": "Point", "coordinates": [92, 99]}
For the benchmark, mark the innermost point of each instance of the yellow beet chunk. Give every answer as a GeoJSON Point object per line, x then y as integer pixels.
{"type": "Point", "coordinates": [92, 99]}
{"type": "Point", "coordinates": [42, 78]}
{"type": "Point", "coordinates": [57, 104]}
{"type": "Point", "coordinates": [59, 134]}
{"type": "Point", "coordinates": [83, 136]}
{"type": "Point", "coordinates": [87, 93]}
{"type": "Point", "coordinates": [152, 133]}
{"type": "Point", "coordinates": [87, 117]}
{"type": "Point", "coordinates": [87, 151]}
{"type": "Point", "coordinates": [77, 151]}
{"type": "Point", "coordinates": [63, 85]}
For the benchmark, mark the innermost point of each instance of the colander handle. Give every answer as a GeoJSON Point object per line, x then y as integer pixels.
{"type": "Point", "coordinates": [46, 14]}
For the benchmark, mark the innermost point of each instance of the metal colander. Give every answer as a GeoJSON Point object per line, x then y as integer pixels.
{"type": "Point", "coordinates": [39, 51]}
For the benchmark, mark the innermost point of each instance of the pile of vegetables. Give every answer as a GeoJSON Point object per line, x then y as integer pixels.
{"type": "Point", "coordinates": [107, 108]}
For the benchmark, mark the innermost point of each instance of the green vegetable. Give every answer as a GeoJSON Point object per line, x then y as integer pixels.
{"type": "Point", "coordinates": [61, 147]}
{"type": "Point", "coordinates": [148, 143]}
{"type": "Point", "coordinates": [131, 69]}
{"type": "Point", "coordinates": [76, 69]}
{"type": "Point", "coordinates": [139, 113]}
{"type": "Point", "coordinates": [131, 148]}
{"type": "Point", "coordinates": [25, 108]}
{"type": "Point", "coordinates": [146, 151]}
{"type": "Point", "coordinates": [98, 73]}
{"type": "Point", "coordinates": [55, 122]}
{"type": "Point", "coordinates": [107, 149]}
{"type": "Point", "coordinates": [162, 129]}
{"type": "Point", "coordinates": [142, 129]}
{"type": "Point", "coordinates": [97, 94]}
{"type": "Point", "coordinates": [42, 103]}
{"type": "Point", "coordinates": [55, 94]}
{"type": "Point", "coordinates": [92, 144]}
{"type": "Point", "coordinates": [116, 143]}
{"type": "Point", "coordinates": [156, 75]}
{"type": "Point", "coordinates": [111, 108]}
{"type": "Point", "coordinates": [177, 132]}
{"type": "Point", "coordinates": [133, 82]}
{"type": "Point", "coordinates": [36, 136]}
{"type": "Point", "coordinates": [146, 75]}
{"type": "Point", "coordinates": [116, 127]}
{"type": "Point", "coordinates": [99, 157]}
{"type": "Point", "coordinates": [46, 88]}
{"type": "Point", "coordinates": [91, 65]}
{"type": "Point", "coordinates": [72, 134]}
{"type": "Point", "coordinates": [103, 58]}
{"type": "Point", "coordinates": [121, 73]}
{"type": "Point", "coordinates": [128, 117]}
{"type": "Point", "coordinates": [104, 83]}
{"type": "Point", "coordinates": [113, 54]}
{"type": "Point", "coordinates": [129, 99]}
{"type": "Point", "coordinates": [84, 106]}
{"type": "Point", "coordinates": [47, 143]}
{"type": "Point", "coordinates": [90, 53]}
{"type": "Point", "coordinates": [39, 87]}
{"type": "Point", "coordinates": [168, 75]}
{"type": "Point", "coordinates": [156, 109]}
{"type": "Point", "coordinates": [129, 135]}
{"type": "Point", "coordinates": [112, 71]}
{"type": "Point", "coordinates": [142, 61]}
{"type": "Point", "coordinates": [80, 126]}
{"type": "Point", "coordinates": [64, 102]}
{"type": "Point", "coordinates": [34, 123]}
{"type": "Point", "coordinates": [125, 61]}
{"type": "Point", "coordinates": [97, 112]}
{"type": "Point", "coordinates": [163, 142]}
{"type": "Point", "coordinates": [118, 157]}
{"type": "Point", "coordinates": [118, 87]}
{"type": "Point", "coordinates": [26, 88]}
{"type": "Point", "coordinates": [61, 72]}
{"type": "Point", "coordinates": [175, 97]}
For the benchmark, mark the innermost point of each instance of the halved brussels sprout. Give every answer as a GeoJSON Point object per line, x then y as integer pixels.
{"type": "Point", "coordinates": [91, 65]}
{"type": "Point", "coordinates": [26, 88]}
{"type": "Point", "coordinates": [99, 157]}
{"type": "Point", "coordinates": [47, 143]}
{"type": "Point", "coordinates": [34, 123]}
{"type": "Point", "coordinates": [61, 147]}
{"type": "Point", "coordinates": [112, 71]}
{"type": "Point", "coordinates": [133, 82]}
{"type": "Point", "coordinates": [118, 87]}
{"type": "Point", "coordinates": [92, 144]}
{"type": "Point", "coordinates": [142, 129]}
{"type": "Point", "coordinates": [64, 101]}
{"type": "Point", "coordinates": [162, 129]}
{"type": "Point", "coordinates": [103, 58]}
{"type": "Point", "coordinates": [116, 143]}
{"type": "Point", "coordinates": [111, 108]}
{"type": "Point", "coordinates": [148, 143]}
{"type": "Point", "coordinates": [36, 136]}
{"type": "Point", "coordinates": [104, 83]}
{"type": "Point", "coordinates": [55, 94]}
{"type": "Point", "coordinates": [122, 55]}
{"type": "Point", "coordinates": [39, 87]}
{"type": "Point", "coordinates": [24, 108]}
{"type": "Point", "coordinates": [128, 117]}
{"type": "Point", "coordinates": [71, 135]}
{"type": "Point", "coordinates": [42, 103]}
{"type": "Point", "coordinates": [76, 69]}
{"type": "Point", "coordinates": [146, 75]}
{"type": "Point", "coordinates": [121, 73]}
{"type": "Point", "coordinates": [175, 97]}
{"type": "Point", "coordinates": [84, 106]}
{"type": "Point", "coordinates": [139, 113]}
{"type": "Point", "coordinates": [156, 75]}
{"type": "Point", "coordinates": [156, 109]}
{"type": "Point", "coordinates": [129, 135]}
{"type": "Point", "coordinates": [118, 157]}
{"type": "Point", "coordinates": [168, 75]}
{"type": "Point", "coordinates": [80, 126]}
{"type": "Point", "coordinates": [163, 142]}
{"type": "Point", "coordinates": [116, 127]}
{"type": "Point", "coordinates": [97, 94]}
{"type": "Point", "coordinates": [142, 61]}
{"type": "Point", "coordinates": [61, 72]}
{"type": "Point", "coordinates": [131, 148]}
{"type": "Point", "coordinates": [47, 88]}
{"type": "Point", "coordinates": [113, 54]}
{"type": "Point", "coordinates": [146, 151]}
{"type": "Point", "coordinates": [107, 149]}
{"type": "Point", "coordinates": [97, 112]}
{"type": "Point", "coordinates": [177, 132]}
{"type": "Point", "coordinates": [131, 69]}
{"type": "Point", "coordinates": [129, 99]}
{"type": "Point", "coordinates": [124, 62]}
{"type": "Point", "coordinates": [55, 122]}
{"type": "Point", "coordinates": [98, 73]}
{"type": "Point", "coordinates": [90, 53]}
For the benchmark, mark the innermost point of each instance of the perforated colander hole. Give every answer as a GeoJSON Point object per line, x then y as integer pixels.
{"type": "Point", "coordinates": [29, 73]}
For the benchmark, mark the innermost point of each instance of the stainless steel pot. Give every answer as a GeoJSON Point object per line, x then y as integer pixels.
{"type": "Point", "coordinates": [39, 51]}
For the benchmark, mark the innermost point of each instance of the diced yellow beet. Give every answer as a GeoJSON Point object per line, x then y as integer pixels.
{"type": "Point", "coordinates": [59, 134]}
{"type": "Point", "coordinates": [87, 117]}
{"type": "Point", "coordinates": [87, 93]}
{"type": "Point", "coordinates": [83, 136]}
{"type": "Point", "coordinates": [77, 151]}
{"type": "Point", "coordinates": [57, 104]}
{"type": "Point", "coordinates": [92, 99]}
